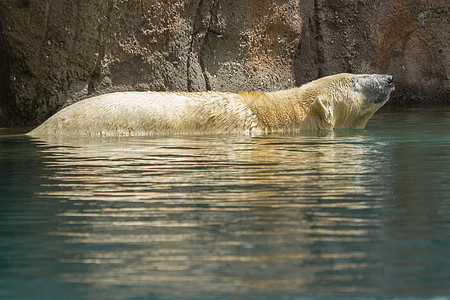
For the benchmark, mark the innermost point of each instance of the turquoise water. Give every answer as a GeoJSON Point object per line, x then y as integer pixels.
{"type": "Point", "coordinates": [343, 214]}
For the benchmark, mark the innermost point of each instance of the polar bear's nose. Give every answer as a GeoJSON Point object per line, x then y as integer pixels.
{"type": "Point", "coordinates": [389, 79]}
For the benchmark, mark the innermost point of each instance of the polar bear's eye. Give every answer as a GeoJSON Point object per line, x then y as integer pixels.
{"type": "Point", "coordinates": [356, 83]}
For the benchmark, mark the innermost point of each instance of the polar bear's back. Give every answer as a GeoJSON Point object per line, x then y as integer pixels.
{"type": "Point", "coordinates": [146, 113]}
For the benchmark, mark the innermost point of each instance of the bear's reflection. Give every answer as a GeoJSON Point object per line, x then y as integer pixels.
{"type": "Point", "coordinates": [215, 213]}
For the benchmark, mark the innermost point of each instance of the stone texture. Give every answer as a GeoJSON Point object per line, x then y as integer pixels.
{"type": "Point", "coordinates": [406, 38]}
{"type": "Point", "coordinates": [54, 53]}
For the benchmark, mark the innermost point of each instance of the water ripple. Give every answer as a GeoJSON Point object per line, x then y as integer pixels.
{"type": "Point", "coordinates": [329, 214]}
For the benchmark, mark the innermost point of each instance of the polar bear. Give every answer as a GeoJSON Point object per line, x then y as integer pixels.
{"type": "Point", "coordinates": [336, 101]}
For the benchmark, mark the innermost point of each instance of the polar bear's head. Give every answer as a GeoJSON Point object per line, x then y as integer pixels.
{"type": "Point", "coordinates": [373, 88]}
{"type": "Point", "coordinates": [349, 100]}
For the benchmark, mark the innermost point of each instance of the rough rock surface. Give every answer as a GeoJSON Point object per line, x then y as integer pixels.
{"type": "Point", "coordinates": [54, 53]}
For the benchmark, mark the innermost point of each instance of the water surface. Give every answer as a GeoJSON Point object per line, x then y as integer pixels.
{"type": "Point", "coordinates": [341, 214]}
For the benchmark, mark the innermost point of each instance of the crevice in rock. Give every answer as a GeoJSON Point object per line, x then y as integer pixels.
{"type": "Point", "coordinates": [318, 39]}
{"type": "Point", "coordinates": [210, 30]}
{"type": "Point", "coordinates": [197, 20]}
{"type": "Point", "coordinates": [6, 103]}
{"type": "Point", "coordinates": [206, 11]}
{"type": "Point", "coordinates": [215, 32]}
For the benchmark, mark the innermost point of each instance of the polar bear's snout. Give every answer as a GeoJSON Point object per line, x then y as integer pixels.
{"type": "Point", "coordinates": [390, 82]}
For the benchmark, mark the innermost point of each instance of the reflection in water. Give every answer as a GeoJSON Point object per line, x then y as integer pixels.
{"type": "Point", "coordinates": [217, 214]}
{"type": "Point", "coordinates": [323, 214]}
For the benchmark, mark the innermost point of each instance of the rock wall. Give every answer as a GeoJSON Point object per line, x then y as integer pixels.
{"type": "Point", "coordinates": [54, 53]}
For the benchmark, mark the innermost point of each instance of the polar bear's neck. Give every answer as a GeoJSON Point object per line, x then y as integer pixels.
{"type": "Point", "coordinates": [284, 110]}
{"type": "Point", "coordinates": [273, 110]}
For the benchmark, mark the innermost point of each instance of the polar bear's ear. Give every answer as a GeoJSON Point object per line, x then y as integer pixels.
{"type": "Point", "coordinates": [320, 111]}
